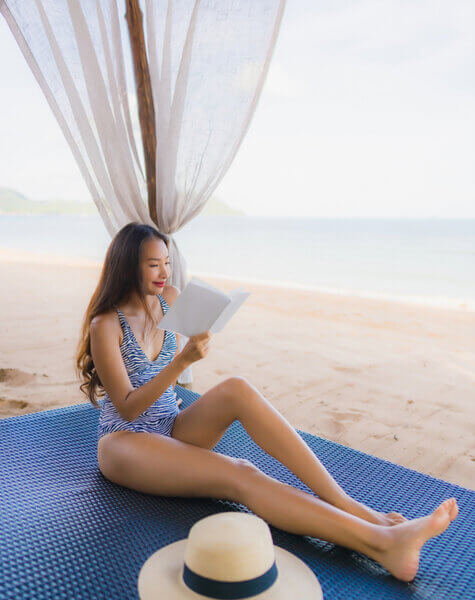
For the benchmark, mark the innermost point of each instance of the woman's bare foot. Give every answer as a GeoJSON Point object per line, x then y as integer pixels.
{"type": "Point", "coordinates": [405, 540]}
{"type": "Point", "coordinates": [358, 509]}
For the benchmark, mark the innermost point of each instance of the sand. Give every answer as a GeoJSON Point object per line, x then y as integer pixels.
{"type": "Point", "coordinates": [388, 378]}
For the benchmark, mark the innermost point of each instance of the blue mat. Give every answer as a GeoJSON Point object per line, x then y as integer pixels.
{"type": "Point", "coordinates": [67, 532]}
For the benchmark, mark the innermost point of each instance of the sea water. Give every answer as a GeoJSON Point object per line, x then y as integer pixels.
{"type": "Point", "coordinates": [429, 261]}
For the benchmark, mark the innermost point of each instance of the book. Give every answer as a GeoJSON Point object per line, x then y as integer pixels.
{"type": "Point", "coordinates": [202, 307]}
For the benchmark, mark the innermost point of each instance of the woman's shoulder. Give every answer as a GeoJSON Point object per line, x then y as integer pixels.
{"type": "Point", "coordinates": [170, 294]}
{"type": "Point", "coordinates": [106, 323]}
{"type": "Point", "coordinates": [108, 316]}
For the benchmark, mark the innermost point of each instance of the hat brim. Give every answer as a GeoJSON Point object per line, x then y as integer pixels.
{"type": "Point", "coordinates": [161, 577]}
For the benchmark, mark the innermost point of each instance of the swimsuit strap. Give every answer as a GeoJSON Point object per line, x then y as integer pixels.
{"type": "Point", "coordinates": [121, 315]}
{"type": "Point", "coordinates": [164, 303]}
{"type": "Point", "coordinates": [125, 323]}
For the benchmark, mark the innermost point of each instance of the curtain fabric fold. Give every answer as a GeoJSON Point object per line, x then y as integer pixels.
{"type": "Point", "coordinates": [207, 63]}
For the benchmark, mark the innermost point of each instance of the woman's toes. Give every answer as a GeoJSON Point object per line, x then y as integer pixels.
{"type": "Point", "coordinates": [453, 508]}
{"type": "Point", "coordinates": [396, 518]}
{"type": "Point", "coordinates": [447, 505]}
{"type": "Point", "coordinates": [440, 518]}
{"type": "Point", "coordinates": [455, 511]}
{"type": "Point", "coordinates": [442, 509]}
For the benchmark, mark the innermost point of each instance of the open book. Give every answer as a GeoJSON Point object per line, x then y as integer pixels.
{"type": "Point", "coordinates": [201, 307]}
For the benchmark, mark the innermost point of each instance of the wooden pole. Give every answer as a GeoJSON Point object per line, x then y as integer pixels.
{"type": "Point", "coordinates": [143, 86]}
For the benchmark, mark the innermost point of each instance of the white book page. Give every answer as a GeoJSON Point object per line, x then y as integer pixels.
{"type": "Point", "coordinates": [237, 298]}
{"type": "Point", "coordinates": [198, 307]}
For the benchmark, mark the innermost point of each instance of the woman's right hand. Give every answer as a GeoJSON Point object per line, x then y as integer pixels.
{"type": "Point", "coordinates": [196, 347]}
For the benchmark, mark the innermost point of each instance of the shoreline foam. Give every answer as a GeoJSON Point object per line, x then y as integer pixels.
{"type": "Point", "coordinates": [461, 304]}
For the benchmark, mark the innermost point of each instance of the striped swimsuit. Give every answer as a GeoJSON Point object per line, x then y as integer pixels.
{"type": "Point", "coordinates": [161, 415]}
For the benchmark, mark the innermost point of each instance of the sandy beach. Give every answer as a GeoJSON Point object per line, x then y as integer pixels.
{"type": "Point", "coordinates": [388, 378]}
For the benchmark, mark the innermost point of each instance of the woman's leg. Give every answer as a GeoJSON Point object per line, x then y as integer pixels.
{"type": "Point", "coordinates": [207, 419]}
{"type": "Point", "coordinates": [272, 432]}
{"type": "Point", "coordinates": [397, 548]}
{"type": "Point", "coordinates": [156, 464]}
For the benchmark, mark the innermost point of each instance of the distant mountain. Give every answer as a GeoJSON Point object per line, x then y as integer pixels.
{"type": "Point", "coordinates": [12, 202]}
{"type": "Point", "coordinates": [214, 206]}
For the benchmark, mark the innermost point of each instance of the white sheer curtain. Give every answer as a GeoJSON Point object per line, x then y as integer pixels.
{"type": "Point", "coordinates": [207, 63]}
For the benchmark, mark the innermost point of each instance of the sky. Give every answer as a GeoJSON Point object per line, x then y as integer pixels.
{"type": "Point", "coordinates": [367, 111]}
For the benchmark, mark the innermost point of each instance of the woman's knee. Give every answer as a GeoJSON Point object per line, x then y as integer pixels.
{"type": "Point", "coordinates": [246, 474]}
{"type": "Point", "coordinates": [244, 398]}
{"type": "Point", "coordinates": [236, 388]}
{"type": "Point", "coordinates": [236, 384]}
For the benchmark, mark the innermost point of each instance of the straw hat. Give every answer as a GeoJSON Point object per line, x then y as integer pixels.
{"type": "Point", "coordinates": [227, 555]}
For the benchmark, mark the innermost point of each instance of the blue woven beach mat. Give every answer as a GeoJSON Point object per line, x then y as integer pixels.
{"type": "Point", "coordinates": [67, 532]}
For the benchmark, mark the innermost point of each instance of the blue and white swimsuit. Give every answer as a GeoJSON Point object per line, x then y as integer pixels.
{"type": "Point", "coordinates": [161, 415]}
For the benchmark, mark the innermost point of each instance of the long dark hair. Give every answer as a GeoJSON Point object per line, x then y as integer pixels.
{"type": "Point", "coordinates": [120, 277]}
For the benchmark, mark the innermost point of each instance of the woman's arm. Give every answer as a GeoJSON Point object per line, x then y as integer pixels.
{"type": "Point", "coordinates": [105, 351]}
{"type": "Point", "coordinates": [144, 396]}
{"type": "Point", "coordinates": [141, 398]}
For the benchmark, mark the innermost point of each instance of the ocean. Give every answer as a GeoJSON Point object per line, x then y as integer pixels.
{"type": "Point", "coordinates": [428, 261]}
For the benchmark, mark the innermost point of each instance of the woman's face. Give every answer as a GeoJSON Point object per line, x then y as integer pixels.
{"type": "Point", "coordinates": [155, 266]}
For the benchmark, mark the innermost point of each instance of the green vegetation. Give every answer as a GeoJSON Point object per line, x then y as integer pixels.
{"type": "Point", "coordinates": [218, 207]}
{"type": "Point", "coordinates": [14, 203]}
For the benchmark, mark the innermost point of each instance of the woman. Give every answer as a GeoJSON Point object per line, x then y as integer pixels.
{"type": "Point", "coordinates": [146, 444]}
